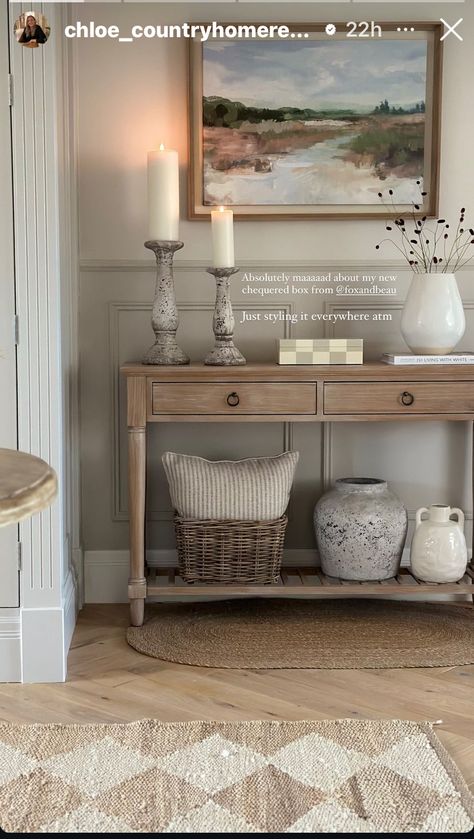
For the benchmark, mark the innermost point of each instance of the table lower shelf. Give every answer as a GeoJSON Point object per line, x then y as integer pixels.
{"type": "Point", "coordinates": [163, 582]}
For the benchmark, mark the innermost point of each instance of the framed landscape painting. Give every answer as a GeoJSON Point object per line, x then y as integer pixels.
{"type": "Point", "coordinates": [316, 127]}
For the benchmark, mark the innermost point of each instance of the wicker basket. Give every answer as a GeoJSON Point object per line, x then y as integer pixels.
{"type": "Point", "coordinates": [229, 552]}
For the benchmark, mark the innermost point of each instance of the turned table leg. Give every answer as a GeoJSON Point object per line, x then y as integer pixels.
{"type": "Point", "coordinates": [136, 482]}
{"type": "Point", "coordinates": [137, 612]}
{"type": "Point", "coordinates": [136, 496]}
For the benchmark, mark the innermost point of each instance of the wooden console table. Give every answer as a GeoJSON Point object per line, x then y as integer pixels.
{"type": "Point", "coordinates": [273, 393]}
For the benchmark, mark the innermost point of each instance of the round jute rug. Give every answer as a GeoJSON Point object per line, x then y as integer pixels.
{"type": "Point", "coordinates": [330, 635]}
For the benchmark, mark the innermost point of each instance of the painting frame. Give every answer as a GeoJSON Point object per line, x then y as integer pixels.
{"type": "Point", "coordinates": [199, 210]}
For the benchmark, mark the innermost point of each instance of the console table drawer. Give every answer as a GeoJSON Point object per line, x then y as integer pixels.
{"type": "Point", "coordinates": [347, 398]}
{"type": "Point", "coordinates": [233, 398]}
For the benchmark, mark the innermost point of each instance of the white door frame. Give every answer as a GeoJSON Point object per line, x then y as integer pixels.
{"type": "Point", "coordinates": [10, 643]}
{"type": "Point", "coordinates": [45, 273]}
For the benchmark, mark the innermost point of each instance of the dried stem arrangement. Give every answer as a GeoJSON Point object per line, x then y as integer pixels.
{"type": "Point", "coordinates": [429, 249]}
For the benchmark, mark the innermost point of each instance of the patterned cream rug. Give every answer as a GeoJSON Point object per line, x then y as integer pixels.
{"type": "Point", "coordinates": [343, 776]}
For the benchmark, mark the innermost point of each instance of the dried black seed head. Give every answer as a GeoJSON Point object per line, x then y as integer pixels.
{"type": "Point", "coordinates": [388, 228]}
{"type": "Point", "coordinates": [380, 195]}
{"type": "Point", "coordinates": [441, 221]}
{"type": "Point", "coordinates": [445, 235]}
{"type": "Point", "coordinates": [390, 192]}
{"type": "Point", "coordinates": [435, 260]}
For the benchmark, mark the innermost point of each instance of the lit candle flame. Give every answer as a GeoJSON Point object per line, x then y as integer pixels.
{"type": "Point", "coordinates": [162, 148]}
{"type": "Point", "coordinates": [221, 209]}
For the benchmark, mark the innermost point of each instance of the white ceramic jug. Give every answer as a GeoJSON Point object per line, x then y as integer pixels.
{"type": "Point", "coordinates": [438, 549]}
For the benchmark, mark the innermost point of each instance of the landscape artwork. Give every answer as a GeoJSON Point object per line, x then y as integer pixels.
{"type": "Point", "coordinates": [315, 124]}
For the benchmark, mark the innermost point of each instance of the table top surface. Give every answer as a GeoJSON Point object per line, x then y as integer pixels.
{"type": "Point", "coordinates": [27, 485]}
{"type": "Point", "coordinates": [268, 371]}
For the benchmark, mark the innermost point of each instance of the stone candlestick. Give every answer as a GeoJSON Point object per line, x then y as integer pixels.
{"type": "Point", "coordinates": [225, 353]}
{"type": "Point", "coordinates": [164, 319]}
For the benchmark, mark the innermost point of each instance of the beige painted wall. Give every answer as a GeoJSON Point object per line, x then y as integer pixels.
{"type": "Point", "coordinates": [131, 96]}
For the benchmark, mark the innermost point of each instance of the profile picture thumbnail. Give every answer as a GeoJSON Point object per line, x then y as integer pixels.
{"type": "Point", "coordinates": [32, 29]}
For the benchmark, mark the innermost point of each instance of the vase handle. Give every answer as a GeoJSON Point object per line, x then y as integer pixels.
{"type": "Point", "coordinates": [460, 515]}
{"type": "Point", "coordinates": [419, 514]}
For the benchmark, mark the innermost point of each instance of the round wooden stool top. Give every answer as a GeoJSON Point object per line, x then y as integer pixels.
{"type": "Point", "coordinates": [27, 485]}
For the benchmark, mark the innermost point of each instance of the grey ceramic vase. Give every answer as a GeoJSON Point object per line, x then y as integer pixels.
{"type": "Point", "coordinates": [361, 528]}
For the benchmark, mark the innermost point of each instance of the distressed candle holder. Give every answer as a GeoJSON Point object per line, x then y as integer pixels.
{"type": "Point", "coordinates": [164, 319]}
{"type": "Point", "coordinates": [225, 353]}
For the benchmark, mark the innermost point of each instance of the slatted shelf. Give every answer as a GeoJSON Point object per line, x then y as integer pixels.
{"type": "Point", "coordinates": [164, 582]}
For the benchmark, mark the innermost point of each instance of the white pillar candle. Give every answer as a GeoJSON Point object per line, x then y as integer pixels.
{"type": "Point", "coordinates": [163, 195]}
{"type": "Point", "coordinates": [223, 237]}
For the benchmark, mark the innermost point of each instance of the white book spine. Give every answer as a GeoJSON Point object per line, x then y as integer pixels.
{"type": "Point", "coordinates": [428, 359]}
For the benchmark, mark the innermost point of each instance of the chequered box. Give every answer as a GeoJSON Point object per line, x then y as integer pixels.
{"type": "Point", "coordinates": [321, 351]}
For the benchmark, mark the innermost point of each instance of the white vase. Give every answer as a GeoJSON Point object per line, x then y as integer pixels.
{"type": "Point", "coordinates": [438, 549]}
{"type": "Point", "coordinates": [433, 319]}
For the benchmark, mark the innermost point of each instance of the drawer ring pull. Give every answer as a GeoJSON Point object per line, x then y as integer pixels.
{"type": "Point", "coordinates": [407, 398]}
{"type": "Point", "coordinates": [233, 399]}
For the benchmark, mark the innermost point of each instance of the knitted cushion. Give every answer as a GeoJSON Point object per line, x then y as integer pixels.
{"type": "Point", "coordinates": [257, 488]}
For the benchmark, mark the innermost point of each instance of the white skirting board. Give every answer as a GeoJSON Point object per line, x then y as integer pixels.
{"type": "Point", "coordinates": [10, 645]}
{"type": "Point", "coordinates": [22, 658]}
{"type": "Point", "coordinates": [47, 662]}
{"type": "Point", "coordinates": [43, 643]}
{"type": "Point", "coordinates": [106, 572]}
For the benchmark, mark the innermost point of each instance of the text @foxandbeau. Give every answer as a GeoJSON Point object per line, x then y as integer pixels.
{"type": "Point", "coordinates": [332, 283]}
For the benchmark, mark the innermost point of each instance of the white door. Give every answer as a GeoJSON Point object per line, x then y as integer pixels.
{"type": "Point", "coordinates": [9, 588]}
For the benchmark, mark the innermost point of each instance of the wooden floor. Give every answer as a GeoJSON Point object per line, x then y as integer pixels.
{"type": "Point", "coordinates": [108, 681]}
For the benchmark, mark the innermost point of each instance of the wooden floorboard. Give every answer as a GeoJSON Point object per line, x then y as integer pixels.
{"type": "Point", "coordinates": [108, 681]}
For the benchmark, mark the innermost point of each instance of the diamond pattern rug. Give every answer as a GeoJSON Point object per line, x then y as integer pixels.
{"type": "Point", "coordinates": [342, 776]}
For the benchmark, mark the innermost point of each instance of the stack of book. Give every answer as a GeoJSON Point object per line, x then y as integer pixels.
{"type": "Point", "coordinates": [409, 358]}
